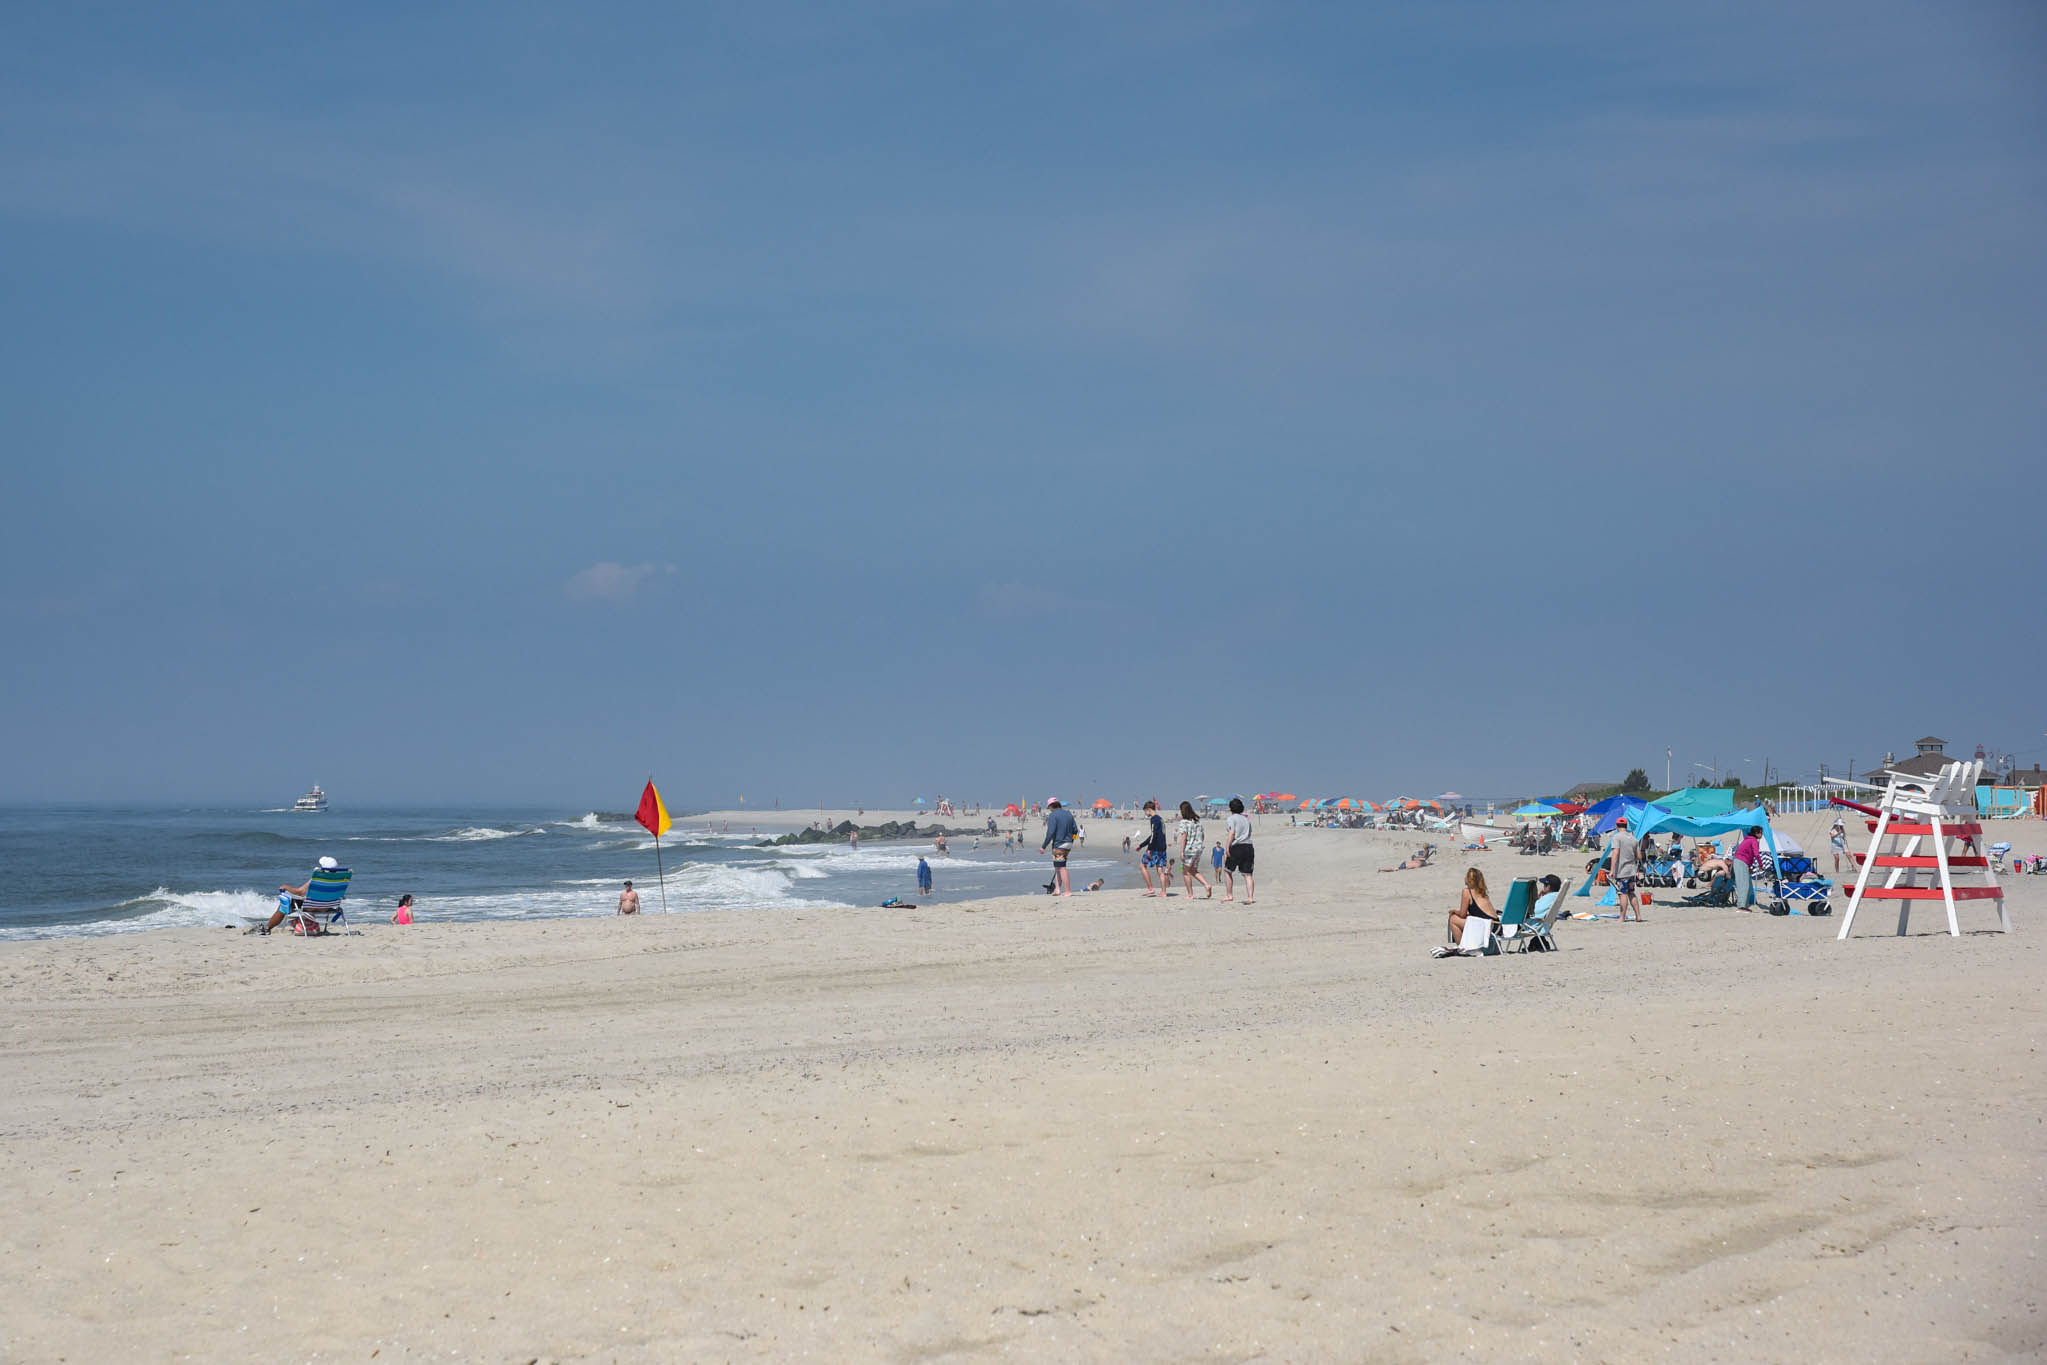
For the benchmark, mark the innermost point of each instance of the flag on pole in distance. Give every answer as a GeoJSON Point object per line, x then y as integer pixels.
{"type": "Point", "coordinates": [652, 813]}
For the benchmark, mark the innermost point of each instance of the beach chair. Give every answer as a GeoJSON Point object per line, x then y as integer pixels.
{"type": "Point", "coordinates": [324, 895]}
{"type": "Point", "coordinates": [1513, 934]}
{"type": "Point", "coordinates": [1477, 940]}
{"type": "Point", "coordinates": [1718, 895]}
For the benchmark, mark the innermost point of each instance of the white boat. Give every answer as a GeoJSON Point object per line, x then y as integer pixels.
{"type": "Point", "coordinates": [314, 800]}
{"type": "Point", "coordinates": [1476, 833]}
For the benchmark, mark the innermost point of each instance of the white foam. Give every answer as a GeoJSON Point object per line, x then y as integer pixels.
{"type": "Point", "coordinates": [478, 834]}
{"type": "Point", "coordinates": [591, 821]}
{"type": "Point", "coordinates": [171, 910]}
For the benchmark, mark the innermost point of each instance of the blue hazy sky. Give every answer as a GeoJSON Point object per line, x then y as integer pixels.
{"type": "Point", "coordinates": [852, 402]}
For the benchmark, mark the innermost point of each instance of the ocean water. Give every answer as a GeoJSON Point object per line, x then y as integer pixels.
{"type": "Point", "coordinates": [80, 871]}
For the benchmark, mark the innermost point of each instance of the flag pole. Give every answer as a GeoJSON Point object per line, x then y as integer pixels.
{"type": "Point", "coordinates": [659, 876]}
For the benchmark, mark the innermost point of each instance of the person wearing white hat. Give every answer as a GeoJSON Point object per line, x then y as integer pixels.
{"type": "Point", "coordinates": [296, 894]}
{"type": "Point", "coordinates": [1061, 829]}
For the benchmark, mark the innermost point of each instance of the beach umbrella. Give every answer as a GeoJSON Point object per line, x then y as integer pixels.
{"type": "Point", "coordinates": [1104, 803]}
{"type": "Point", "coordinates": [1534, 809]}
{"type": "Point", "coordinates": [1450, 796]}
{"type": "Point", "coordinates": [1308, 804]}
{"type": "Point", "coordinates": [918, 802]}
{"type": "Point", "coordinates": [1012, 809]}
{"type": "Point", "coordinates": [1282, 796]}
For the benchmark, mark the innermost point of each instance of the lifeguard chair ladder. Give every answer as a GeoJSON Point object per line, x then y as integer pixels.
{"type": "Point", "coordinates": [1943, 812]}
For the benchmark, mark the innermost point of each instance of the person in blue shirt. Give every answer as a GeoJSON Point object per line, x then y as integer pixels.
{"type": "Point", "coordinates": [924, 876]}
{"type": "Point", "coordinates": [1061, 832]}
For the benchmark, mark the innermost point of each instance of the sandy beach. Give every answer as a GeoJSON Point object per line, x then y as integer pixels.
{"type": "Point", "coordinates": [1103, 1128]}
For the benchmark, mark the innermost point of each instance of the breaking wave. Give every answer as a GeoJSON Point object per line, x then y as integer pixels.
{"type": "Point", "coordinates": [162, 908]}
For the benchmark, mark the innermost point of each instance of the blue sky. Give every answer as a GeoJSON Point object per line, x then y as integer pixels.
{"type": "Point", "coordinates": [856, 401]}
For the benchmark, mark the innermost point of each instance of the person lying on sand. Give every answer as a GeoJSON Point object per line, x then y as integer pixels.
{"type": "Point", "coordinates": [1419, 858]}
{"type": "Point", "coordinates": [1096, 884]}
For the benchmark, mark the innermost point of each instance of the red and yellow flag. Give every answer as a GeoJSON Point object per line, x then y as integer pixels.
{"type": "Point", "coordinates": [652, 813]}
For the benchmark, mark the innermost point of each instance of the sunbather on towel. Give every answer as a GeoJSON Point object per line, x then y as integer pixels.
{"type": "Point", "coordinates": [1472, 900]}
{"type": "Point", "coordinates": [297, 894]}
{"type": "Point", "coordinates": [1419, 858]}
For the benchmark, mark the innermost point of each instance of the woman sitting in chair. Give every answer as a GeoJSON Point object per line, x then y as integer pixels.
{"type": "Point", "coordinates": [1472, 900]}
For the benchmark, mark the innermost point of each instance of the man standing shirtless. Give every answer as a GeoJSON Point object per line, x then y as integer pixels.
{"type": "Point", "coordinates": [628, 901]}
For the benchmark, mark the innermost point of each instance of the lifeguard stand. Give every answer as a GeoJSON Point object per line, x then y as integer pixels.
{"type": "Point", "coordinates": [1934, 813]}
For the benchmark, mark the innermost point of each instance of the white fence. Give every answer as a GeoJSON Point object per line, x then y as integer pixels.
{"type": "Point", "coordinates": [1805, 798]}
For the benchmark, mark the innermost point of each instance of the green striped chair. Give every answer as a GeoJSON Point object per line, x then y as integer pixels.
{"type": "Point", "coordinates": [324, 894]}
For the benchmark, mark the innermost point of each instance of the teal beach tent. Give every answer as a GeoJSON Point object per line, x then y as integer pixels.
{"type": "Point", "coordinates": [1698, 801]}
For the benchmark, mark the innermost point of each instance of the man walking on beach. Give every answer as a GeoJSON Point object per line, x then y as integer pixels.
{"type": "Point", "coordinates": [628, 901]}
{"type": "Point", "coordinates": [1623, 867]}
{"type": "Point", "coordinates": [1238, 853]}
{"type": "Point", "coordinates": [1061, 829]}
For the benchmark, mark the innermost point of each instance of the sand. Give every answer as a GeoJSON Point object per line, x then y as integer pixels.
{"type": "Point", "coordinates": [1106, 1128]}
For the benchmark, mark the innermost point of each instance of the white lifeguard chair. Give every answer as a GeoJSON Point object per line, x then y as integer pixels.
{"type": "Point", "coordinates": [1914, 811]}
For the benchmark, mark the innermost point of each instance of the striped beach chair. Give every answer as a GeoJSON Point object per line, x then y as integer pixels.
{"type": "Point", "coordinates": [324, 894]}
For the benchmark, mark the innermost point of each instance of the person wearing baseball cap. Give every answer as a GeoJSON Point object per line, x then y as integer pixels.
{"type": "Point", "coordinates": [290, 898]}
{"type": "Point", "coordinates": [1624, 866]}
{"type": "Point", "coordinates": [1061, 829]}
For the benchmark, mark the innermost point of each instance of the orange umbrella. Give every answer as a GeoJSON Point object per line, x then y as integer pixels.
{"type": "Point", "coordinates": [1104, 803]}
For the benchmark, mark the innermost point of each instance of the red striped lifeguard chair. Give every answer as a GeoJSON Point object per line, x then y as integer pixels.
{"type": "Point", "coordinates": [1939, 816]}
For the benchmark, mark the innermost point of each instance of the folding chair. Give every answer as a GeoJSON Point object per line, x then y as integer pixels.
{"type": "Point", "coordinates": [324, 894]}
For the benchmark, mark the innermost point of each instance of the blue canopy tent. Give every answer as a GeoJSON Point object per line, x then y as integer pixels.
{"type": "Point", "coordinates": [1656, 820]}
{"type": "Point", "coordinates": [1606, 812]}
